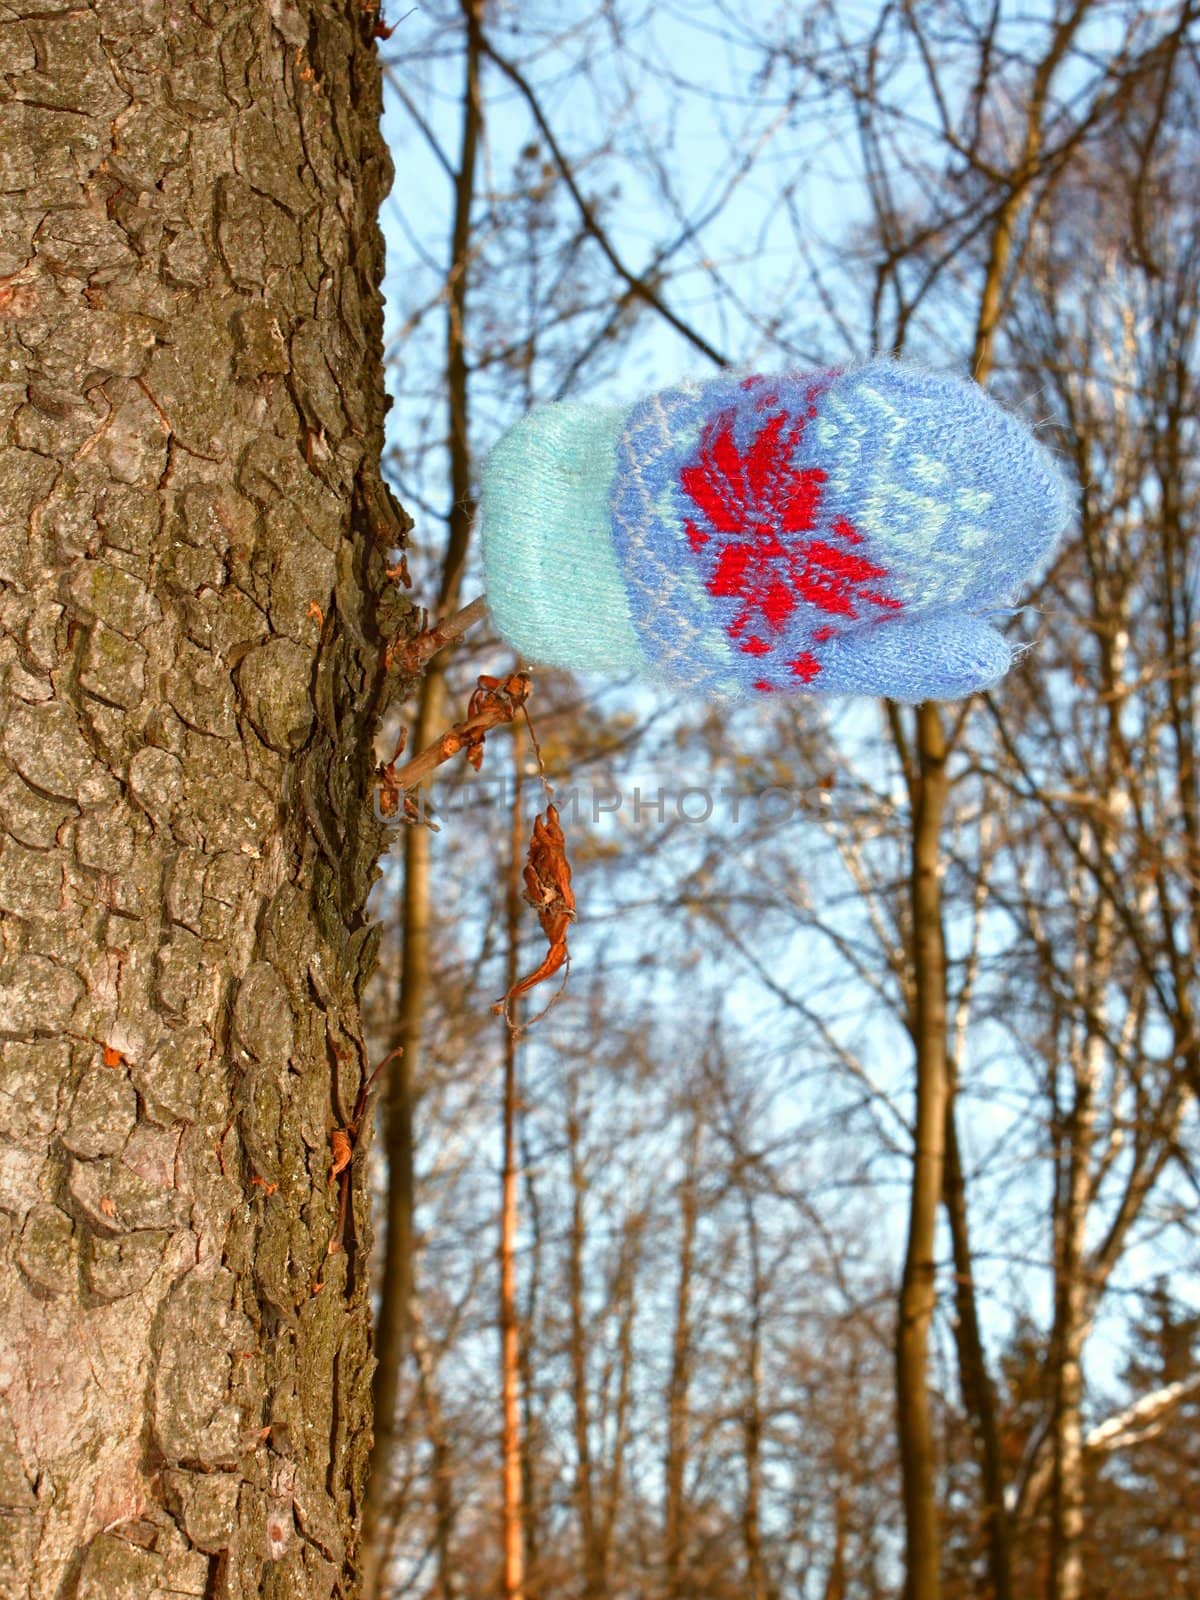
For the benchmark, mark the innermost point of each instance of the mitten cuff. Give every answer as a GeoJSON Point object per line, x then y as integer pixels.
{"type": "Point", "coordinates": [553, 585]}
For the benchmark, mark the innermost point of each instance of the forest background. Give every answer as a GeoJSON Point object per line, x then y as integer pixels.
{"type": "Point", "coordinates": [753, 1344]}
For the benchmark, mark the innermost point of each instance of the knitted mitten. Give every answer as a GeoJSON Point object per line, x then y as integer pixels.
{"type": "Point", "coordinates": [841, 532]}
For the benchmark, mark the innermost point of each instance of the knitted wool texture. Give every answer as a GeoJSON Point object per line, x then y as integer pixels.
{"type": "Point", "coordinates": [829, 533]}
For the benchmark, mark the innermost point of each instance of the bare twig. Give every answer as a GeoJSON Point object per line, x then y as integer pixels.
{"type": "Point", "coordinates": [417, 651]}
{"type": "Point", "coordinates": [640, 287]}
{"type": "Point", "coordinates": [496, 701]}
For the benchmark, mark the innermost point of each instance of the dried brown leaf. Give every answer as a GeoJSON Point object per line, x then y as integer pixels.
{"type": "Point", "coordinates": [547, 878]}
{"type": "Point", "coordinates": [343, 1149]}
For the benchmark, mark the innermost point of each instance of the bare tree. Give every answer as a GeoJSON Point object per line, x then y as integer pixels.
{"type": "Point", "coordinates": [996, 894]}
{"type": "Point", "coordinates": [196, 623]}
{"type": "Point", "coordinates": [414, 933]}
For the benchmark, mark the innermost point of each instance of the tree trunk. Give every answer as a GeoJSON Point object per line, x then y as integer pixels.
{"type": "Point", "coordinates": [404, 1086]}
{"type": "Point", "coordinates": [835, 1581]}
{"type": "Point", "coordinates": [192, 548]}
{"type": "Point", "coordinates": [675, 1531]}
{"type": "Point", "coordinates": [391, 1332]}
{"type": "Point", "coordinates": [1073, 1294]}
{"type": "Point", "coordinates": [626, 1296]}
{"type": "Point", "coordinates": [442, 1464]}
{"type": "Point", "coordinates": [979, 1394]}
{"type": "Point", "coordinates": [934, 1092]}
{"type": "Point", "coordinates": [530, 1358]}
{"type": "Point", "coordinates": [513, 1525]}
{"type": "Point", "coordinates": [593, 1574]}
{"type": "Point", "coordinates": [918, 1286]}
{"type": "Point", "coordinates": [1070, 1331]}
{"type": "Point", "coordinates": [752, 1416]}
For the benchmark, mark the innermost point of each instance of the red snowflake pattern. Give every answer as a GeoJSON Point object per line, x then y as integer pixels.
{"type": "Point", "coordinates": [752, 508]}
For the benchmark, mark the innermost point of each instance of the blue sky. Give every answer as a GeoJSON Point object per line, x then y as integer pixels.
{"type": "Point", "coordinates": [703, 101]}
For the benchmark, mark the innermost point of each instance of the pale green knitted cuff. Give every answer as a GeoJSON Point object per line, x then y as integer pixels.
{"type": "Point", "coordinates": [553, 585]}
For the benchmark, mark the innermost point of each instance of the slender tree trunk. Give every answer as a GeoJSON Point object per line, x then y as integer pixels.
{"type": "Point", "coordinates": [1178, 606]}
{"type": "Point", "coordinates": [1067, 1503]}
{"type": "Point", "coordinates": [752, 1425]}
{"type": "Point", "coordinates": [627, 1296]}
{"type": "Point", "coordinates": [835, 1581]}
{"type": "Point", "coordinates": [391, 1334]}
{"type": "Point", "coordinates": [513, 1531]}
{"type": "Point", "coordinates": [445, 1505]}
{"type": "Point", "coordinates": [1073, 1293]}
{"type": "Point", "coordinates": [397, 1285]}
{"type": "Point", "coordinates": [756, 1581]}
{"type": "Point", "coordinates": [979, 1395]}
{"type": "Point", "coordinates": [530, 1441]}
{"type": "Point", "coordinates": [675, 1531]}
{"type": "Point", "coordinates": [918, 1286]}
{"type": "Point", "coordinates": [584, 1501]}
{"type": "Point", "coordinates": [193, 536]}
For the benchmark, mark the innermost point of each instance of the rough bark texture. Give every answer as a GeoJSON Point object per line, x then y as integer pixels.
{"type": "Point", "coordinates": [404, 1086]}
{"type": "Point", "coordinates": [192, 533]}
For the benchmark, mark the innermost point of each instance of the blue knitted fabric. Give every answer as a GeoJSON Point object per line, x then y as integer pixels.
{"type": "Point", "coordinates": [828, 533]}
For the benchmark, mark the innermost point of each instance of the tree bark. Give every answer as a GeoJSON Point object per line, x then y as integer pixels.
{"type": "Point", "coordinates": [918, 1285]}
{"type": "Point", "coordinates": [195, 616]}
{"type": "Point", "coordinates": [397, 1286]}
{"type": "Point", "coordinates": [512, 1521]}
